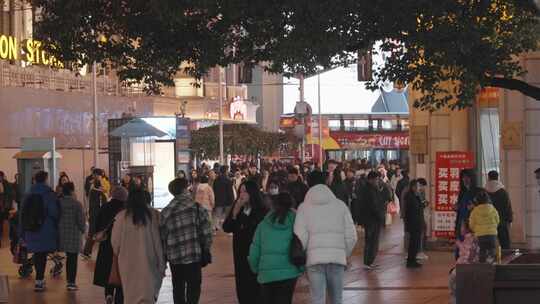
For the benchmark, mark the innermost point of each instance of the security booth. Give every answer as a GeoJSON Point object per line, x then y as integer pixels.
{"type": "Point", "coordinates": [37, 154]}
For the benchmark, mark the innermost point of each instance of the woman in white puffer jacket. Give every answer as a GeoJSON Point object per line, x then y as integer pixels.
{"type": "Point", "coordinates": [326, 229]}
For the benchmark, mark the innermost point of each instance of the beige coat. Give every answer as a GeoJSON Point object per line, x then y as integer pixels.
{"type": "Point", "coordinates": [140, 258]}
{"type": "Point", "coordinates": [205, 196]}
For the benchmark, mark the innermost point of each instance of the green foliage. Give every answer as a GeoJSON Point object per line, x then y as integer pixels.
{"type": "Point", "coordinates": [239, 139]}
{"type": "Point", "coordinates": [447, 49]}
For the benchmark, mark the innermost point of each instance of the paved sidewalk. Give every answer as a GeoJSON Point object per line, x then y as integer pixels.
{"type": "Point", "coordinates": [392, 283]}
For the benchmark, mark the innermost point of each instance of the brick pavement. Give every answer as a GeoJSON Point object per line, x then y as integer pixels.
{"type": "Point", "coordinates": [392, 283]}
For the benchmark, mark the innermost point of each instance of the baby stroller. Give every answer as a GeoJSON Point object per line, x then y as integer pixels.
{"type": "Point", "coordinates": [20, 256]}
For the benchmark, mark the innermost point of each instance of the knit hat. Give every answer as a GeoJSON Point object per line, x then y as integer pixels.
{"type": "Point", "coordinates": [119, 193]}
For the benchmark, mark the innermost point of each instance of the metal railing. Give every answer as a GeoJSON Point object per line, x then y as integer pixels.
{"type": "Point", "coordinates": [45, 78]}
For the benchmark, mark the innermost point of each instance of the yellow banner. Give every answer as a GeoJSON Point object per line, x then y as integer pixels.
{"type": "Point", "coordinates": [28, 50]}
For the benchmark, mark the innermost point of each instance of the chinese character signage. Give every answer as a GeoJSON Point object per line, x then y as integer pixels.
{"type": "Point", "coordinates": [447, 169]}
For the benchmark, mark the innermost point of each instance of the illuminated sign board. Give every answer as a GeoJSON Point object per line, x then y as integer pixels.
{"type": "Point", "coordinates": [28, 50]}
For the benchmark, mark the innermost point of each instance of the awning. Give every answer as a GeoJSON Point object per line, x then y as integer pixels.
{"type": "Point", "coordinates": [35, 155]}
{"type": "Point", "coordinates": [328, 142]}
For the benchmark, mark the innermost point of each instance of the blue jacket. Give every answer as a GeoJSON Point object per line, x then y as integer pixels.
{"type": "Point", "coordinates": [46, 239]}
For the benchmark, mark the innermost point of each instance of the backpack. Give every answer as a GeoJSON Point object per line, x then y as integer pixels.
{"type": "Point", "coordinates": [33, 213]}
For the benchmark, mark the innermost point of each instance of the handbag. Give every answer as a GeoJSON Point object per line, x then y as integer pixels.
{"type": "Point", "coordinates": [114, 276]}
{"type": "Point", "coordinates": [206, 255]}
{"type": "Point", "coordinates": [297, 253]}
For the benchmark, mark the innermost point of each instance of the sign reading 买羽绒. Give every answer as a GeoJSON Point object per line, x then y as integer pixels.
{"type": "Point", "coordinates": [28, 50]}
{"type": "Point", "coordinates": [448, 168]}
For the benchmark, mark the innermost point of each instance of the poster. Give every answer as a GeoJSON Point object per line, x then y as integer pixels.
{"type": "Point", "coordinates": [447, 170]}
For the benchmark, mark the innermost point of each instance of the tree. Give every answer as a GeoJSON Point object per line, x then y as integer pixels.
{"type": "Point", "coordinates": [239, 139]}
{"type": "Point", "coordinates": [468, 44]}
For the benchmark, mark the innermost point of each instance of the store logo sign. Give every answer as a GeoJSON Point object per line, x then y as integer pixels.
{"type": "Point", "coordinates": [29, 50]}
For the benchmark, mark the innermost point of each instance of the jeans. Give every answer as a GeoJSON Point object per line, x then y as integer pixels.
{"type": "Point", "coordinates": [40, 261]}
{"type": "Point", "coordinates": [415, 238]}
{"type": "Point", "coordinates": [71, 266]}
{"type": "Point", "coordinates": [504, 235]}
{"type": "Point", "coordinates": [323, 277]}
{"type": "Point", "coordinates": [186, 281]}
{"type": "Point", "coordinates": [371, 246]}
{"type": "Point", "coordinates": [487, 244]}
{"type": "Point", "coordinates": [116, 293]}
{"type": "Point", "coordinates": [280, 292]}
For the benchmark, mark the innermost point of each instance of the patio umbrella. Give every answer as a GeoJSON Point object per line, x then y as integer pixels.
{"type": "Point", "coordinates": [137, 128]}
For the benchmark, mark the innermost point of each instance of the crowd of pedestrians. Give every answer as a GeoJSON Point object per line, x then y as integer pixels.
{"type": "Point", "coordinates": [269, 213]}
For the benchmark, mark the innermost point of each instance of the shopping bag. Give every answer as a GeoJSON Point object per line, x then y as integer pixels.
{"type": "Point", "coordinates": [114, 276]}
{"type": "Point", "coordinates": [4, 288]}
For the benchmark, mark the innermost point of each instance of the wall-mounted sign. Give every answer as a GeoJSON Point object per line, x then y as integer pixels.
{"type": "Point", "coordinates": [28, 50]}
{"type": "Point", "coordinates": [418, 140]}
{"type": "Point", "coordinates": [512, 135]}
{"type": "Point", "coordinates": [353, 141]}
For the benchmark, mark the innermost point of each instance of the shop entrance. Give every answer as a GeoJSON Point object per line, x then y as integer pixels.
{"type": "Point", "coordinates": [163, 172]}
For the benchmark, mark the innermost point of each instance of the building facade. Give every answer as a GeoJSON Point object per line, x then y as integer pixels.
{"type": "Point", "coordinates": [502, 131]}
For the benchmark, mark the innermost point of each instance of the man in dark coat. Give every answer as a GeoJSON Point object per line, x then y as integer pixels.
{"type": "Point", "coordinates": [224, 196]}
{"type": "Point", "coordinates": [501, 201]}
{"type": "Point", "coordinates": [401, 186]}
{"type": "Point", "coordinates": [296, 188]}
{"type": "Point", "coordinates": [414, 222]}
{"type": "Point", "coordinates": [373, 207]}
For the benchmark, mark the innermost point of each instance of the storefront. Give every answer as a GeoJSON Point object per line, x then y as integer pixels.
{"type": "Point", "coordinates": [373, 137]}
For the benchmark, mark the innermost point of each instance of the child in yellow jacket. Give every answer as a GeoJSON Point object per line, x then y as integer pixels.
{"type": "Point", "coordinates": [483, 222]}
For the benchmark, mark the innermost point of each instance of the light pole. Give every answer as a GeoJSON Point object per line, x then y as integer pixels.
{"type": "Point", "coordinates": [95, 116]}
{"type": "Point", "coordinates": [220, 97]}
{"type": "Point", "coordinates": [320, 118]}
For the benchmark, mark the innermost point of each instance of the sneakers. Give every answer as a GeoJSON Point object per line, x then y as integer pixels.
{"type": "Point", "coordinates": [421, 256]}
{"type": "Point", "coordinates": [72, 287]}
{"type": "Point", "coordinates": [370, 267]}
{"type": "Point", "coordinates": [39, 286]}
{"type": "Point", "coordinates": [413, 265]}
{"type": "Point", "coordinates": [85, 256]}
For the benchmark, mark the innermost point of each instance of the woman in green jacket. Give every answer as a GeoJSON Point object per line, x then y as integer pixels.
{"type": "Point", "coordinates": [269, 253]}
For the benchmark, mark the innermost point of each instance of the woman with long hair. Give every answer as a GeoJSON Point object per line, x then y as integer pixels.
{"type": "Point", "coordinates": [62, 180]}
{"type": "Point", "coordinates": [269, 253]}
{"type": "Point", "coordinates": [245, 215]}
{"type": "Point", "coordinates": [137, 245]}
{"type": "Point", "coordinates": [104, 222]}
{"type": "Point", "coordinates": [467, 192]}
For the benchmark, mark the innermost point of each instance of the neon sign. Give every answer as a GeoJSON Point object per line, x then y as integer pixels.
{"type": "Point", "coordinates": [29, 50]}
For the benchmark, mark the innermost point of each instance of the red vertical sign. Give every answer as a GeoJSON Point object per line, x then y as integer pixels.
{"type": "Point", "coordinates": [447, 170]}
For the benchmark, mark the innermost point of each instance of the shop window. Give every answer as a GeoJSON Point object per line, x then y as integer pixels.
{"type": "Point", "coordinates": [361, 125]}
{"type": "Point", "coordinates": [334, 125]}
{"type": "Point", "coordinates": [376, 124]}
{"type": "Point", "coordinates": [348, 125]}
{"type": "Point", "coordinates": [389, 124]}
{"type": "Point", "coordinates": [490, 158]}
{"type": "Point", "coordinates": [404, 124]}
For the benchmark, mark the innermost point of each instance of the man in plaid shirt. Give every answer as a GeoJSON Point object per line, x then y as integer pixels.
{"type": "Point", "coordinates": [186, 233]}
